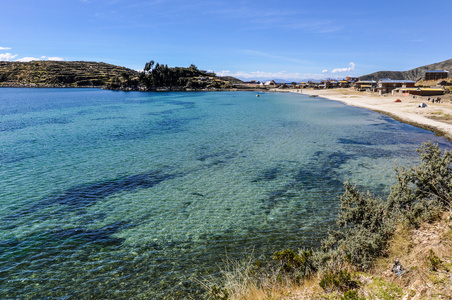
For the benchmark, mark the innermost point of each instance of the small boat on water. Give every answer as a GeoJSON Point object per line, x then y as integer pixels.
{"type": "Point", "coordinates": [258, 95]}
{"type": "Point", "coordinates": [313, 96]}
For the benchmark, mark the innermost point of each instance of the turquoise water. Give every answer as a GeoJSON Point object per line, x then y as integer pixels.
{"type": "Point", "coordinates": [141, 195]}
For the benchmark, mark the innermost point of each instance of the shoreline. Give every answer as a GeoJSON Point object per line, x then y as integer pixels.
{"type": "Point", "coordinates": [436, 117]}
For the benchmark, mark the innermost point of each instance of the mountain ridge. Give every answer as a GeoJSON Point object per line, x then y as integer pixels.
{"type": "Point", "coordinates": [413, 74]}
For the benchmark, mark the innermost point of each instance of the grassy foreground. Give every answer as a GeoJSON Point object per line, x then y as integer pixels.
{"type": "Point", "coordinates": [398, 248]}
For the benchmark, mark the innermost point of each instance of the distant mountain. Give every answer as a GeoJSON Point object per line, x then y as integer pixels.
{"type": "Point", "coordinates": [62, 74]}
{"type": "Point", "coordinates": [414, 74]}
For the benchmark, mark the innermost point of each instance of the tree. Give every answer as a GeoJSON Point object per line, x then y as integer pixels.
{"type": "Point", "coordinates": [148, 66]}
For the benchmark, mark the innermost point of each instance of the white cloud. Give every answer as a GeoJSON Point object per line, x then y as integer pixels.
{"type": "Point", "coordinates": [259, 75]}
{"type": "Point", "coordinates": [324, 71]}
{"type": "Point", "coordinates": [28, 59]}
{"type": "Point", "coordinates": [10, 57]}
{"type": "Point", "coordinates": [7, 56]}
{"type": "Point", "coordinates": [340, 70]}
{"type": "Point", "coordinates": [52, 58]}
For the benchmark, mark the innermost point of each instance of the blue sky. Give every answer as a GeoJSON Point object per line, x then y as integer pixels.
{"type": "Point", "coordinates": [290, 40]}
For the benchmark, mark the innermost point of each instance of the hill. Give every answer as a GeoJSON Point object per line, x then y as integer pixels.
{"type": "Point", "coordinates": [414, 74]}
{"type": "Point", "coordinates": [61, 74]}
{"type": "Point", "coordinates": [99, 74]}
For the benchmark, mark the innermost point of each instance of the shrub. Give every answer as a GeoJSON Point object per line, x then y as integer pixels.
{"type": "Point", "coordinates": [363, 229]}
{"type": "Point", "coordinates": [337, 280]}
{"type": "Point", "coordinates": [422, 192]}
{"type": "Point", "coordinates": [300, 263]}
{"type": "Point", "coordinates": [434, 261]}
{"type": "Point", "coordinates": [351, 295]}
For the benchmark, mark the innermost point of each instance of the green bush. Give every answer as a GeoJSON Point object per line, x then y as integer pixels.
{"type": "Point", "coordinates": [422, 192]}
{"type": "Point", "coordinates": [351, 295]}
{"type": "Point", "coordinates": [301, 263]}
{"type": "Point", "coordinates": [365, 224]}
{"type": "Point", "coordinates": [363, 229]}
{"type": "Point", "coordinates": [434, 261]}
{"type": "Point", "coordinates": [340, 280]}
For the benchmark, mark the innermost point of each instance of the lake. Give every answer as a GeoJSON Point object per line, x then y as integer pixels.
{"type": "Point", "coordinates": [110, 194]}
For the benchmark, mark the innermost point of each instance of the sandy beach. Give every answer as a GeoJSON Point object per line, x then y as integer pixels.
{"type": "Point", "coordinates": [436, 117]}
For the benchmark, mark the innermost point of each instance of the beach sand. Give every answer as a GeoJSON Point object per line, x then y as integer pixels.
{"type": "Point", "coordinates": [436, 117]}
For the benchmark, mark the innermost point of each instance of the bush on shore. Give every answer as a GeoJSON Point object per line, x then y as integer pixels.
{"type": "Point", "coordinates": [364, 227]}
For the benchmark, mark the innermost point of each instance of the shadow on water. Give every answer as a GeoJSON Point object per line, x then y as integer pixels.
{"type": "Point", "coordinates": [167, 125]}
{"type": "Point", "coordinates": [78, 197]}
{"type": "Point", "coordinates": [13, 125]}
{"type": "Point", "coordinates": [319, 173]}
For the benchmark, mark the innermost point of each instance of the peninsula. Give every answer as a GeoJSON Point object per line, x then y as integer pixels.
{"type": "Point", "coordinates": [76, 74]}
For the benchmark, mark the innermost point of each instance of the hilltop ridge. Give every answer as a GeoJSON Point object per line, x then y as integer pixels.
{"type": "Point", "coordinates": [61, 74]}
{"type": "Point", "coordinates": [413, 74]}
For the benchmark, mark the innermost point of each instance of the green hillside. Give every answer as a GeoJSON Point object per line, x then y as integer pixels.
{"type": "Point", "coordinates": [61, 74]}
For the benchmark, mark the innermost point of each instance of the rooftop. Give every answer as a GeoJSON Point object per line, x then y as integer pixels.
{"type": "Point", "coordinates": [396, 81]}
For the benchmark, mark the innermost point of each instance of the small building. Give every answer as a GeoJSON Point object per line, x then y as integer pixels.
{"type": "Point", "coordinates": [386, 86]}
{"type": "Point", "coordinates": [351, 79]}
{"type": "Point", "coordinates": [365, 85]}
{"type": "Point", "coordinates": [332, 84]}
{"type": "Point", "coordinates": [314, 84]}
{"type": "Point", "coordinates": [436, 74]}
{"type": "Point", "coordinates": [323, 84]}
{"type": "Point", "coordinates": [344, 84]}
{"type": "Point", "coordinates": [270, 83]}
{"type": "Point", "coordinates": [418, 91]}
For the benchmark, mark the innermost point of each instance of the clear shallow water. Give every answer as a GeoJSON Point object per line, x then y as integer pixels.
{"type": "Point", "coordinates": [120, 195]}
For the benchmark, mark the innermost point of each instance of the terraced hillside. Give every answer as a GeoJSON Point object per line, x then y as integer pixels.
{"type": "Point", "coordinates": [62, 74]}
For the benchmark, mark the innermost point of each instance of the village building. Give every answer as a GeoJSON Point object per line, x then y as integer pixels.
{"type": "Point", "coordinates": [418, 91]}
{"type": "Point", "coordinates": [332, 84]}
{"type": "Point", "coordinates": [270, 83]}
{"type": "Point", "coordinates": [386, 85]}
{"type": "Point", "coordinates": [436, 74]}
{"type": "Point", "coordinates": [314, 84]}
{"type": "Point", "coordinates": [351, 79]}
{"type": "Point", "coordinates": [323, 84]}
{"type": "Point", "coordinates": [344, 84]}
{"type": "Point", "coordinates": [365, 85]}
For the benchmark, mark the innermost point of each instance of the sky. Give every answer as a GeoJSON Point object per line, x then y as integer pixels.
{"type": "Point", "coordinates": [290, 40]}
